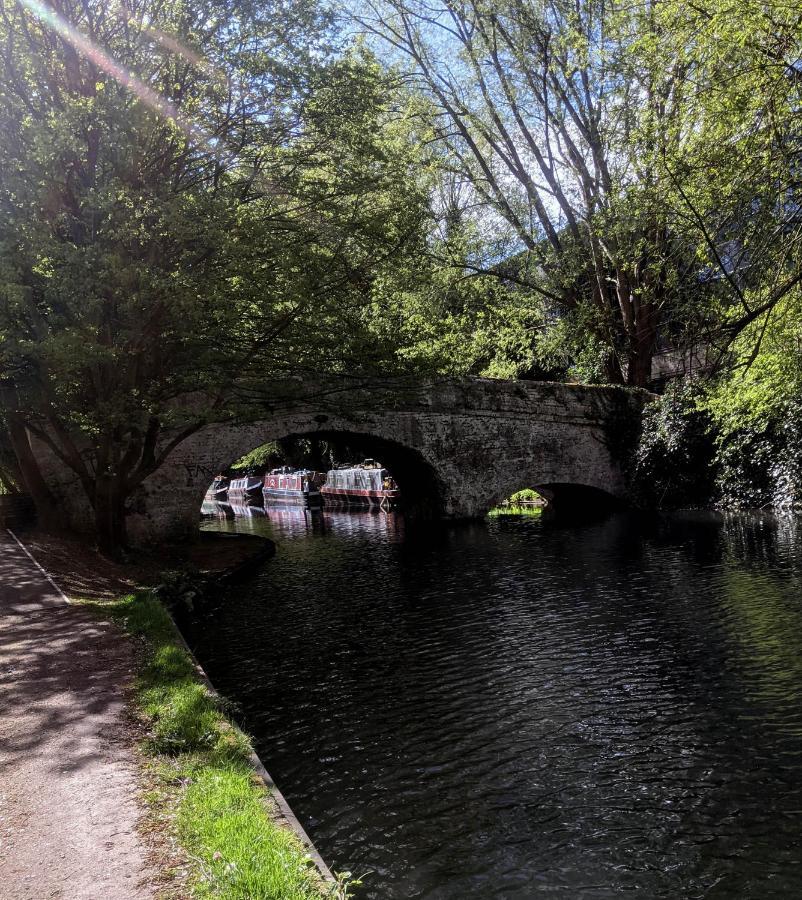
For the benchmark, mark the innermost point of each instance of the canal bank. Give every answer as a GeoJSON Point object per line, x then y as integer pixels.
{"type": "Point", "coordinates": [196, 789]}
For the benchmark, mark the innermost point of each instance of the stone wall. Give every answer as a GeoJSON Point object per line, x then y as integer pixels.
{"type": "Point", "coordinates": [16, 511]}
{"type": "Point", "coordinates": [458, 446]}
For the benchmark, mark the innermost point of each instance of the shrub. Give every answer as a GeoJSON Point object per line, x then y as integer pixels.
{"type": "Point", "coordinates": [760, 462]}
{"type": "Point", "coordinates": [675, 458]}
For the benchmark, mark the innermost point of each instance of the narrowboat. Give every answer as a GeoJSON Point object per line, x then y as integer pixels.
{"type": "Point", "coordinates": [249, 487]}
{"type": "Point", "coordinates": [286, 485]}
{"type": "Point", "coordinates": [218, 490]}
{"type": "Point", "coordinates": [368, 484]}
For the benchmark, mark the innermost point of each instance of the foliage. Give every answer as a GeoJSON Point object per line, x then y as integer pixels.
{"type": "Point", "coordinates": [742, 127]}
{"type": "Point", "coordinates": [735, 441]}
{"type": "Point", "coordinates": [628, 172]}
{"type": "Point", "coordinates": [745, 460]}
{"type": "Point", "coordinates": [757, 413]}
{"type": "Point", "coordinates": [9, 470]}
{"type": "Point", "coordinates": [754, 394]}
{"type": "Point", "coordinates": [206, 790]}
{"type": "Point", "coordinates": [786, 469]}
{"type": "Point", "coordinates": [265, 456]}
{"type": "Point", "coordinates": [674, 464]}
{"type": "Point", "coordinates": [557, 127]}
{"type": "Point", "coordinates": [527, 495]}
{"type": "Point", "coordinates": [455, 324]}
{"type": "Point", "coordinates": [532, 512]}
{"type": "Point", "coordinates": [526, 502]}
{"type": "Point", "coordinates": [733, 174]}
{"type": "Point", "coordinates": [760, 459]}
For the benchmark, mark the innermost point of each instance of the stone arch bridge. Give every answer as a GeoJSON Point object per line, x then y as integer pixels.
{"type": "Point", "coordinates": [456, 446]}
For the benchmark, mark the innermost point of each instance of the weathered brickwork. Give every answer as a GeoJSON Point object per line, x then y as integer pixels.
{"type": "Point", "coordinates": [460, 445]}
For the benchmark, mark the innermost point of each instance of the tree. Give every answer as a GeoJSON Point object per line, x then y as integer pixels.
{"type": "Point", "coordinates": [195, 199]}
{"type": "Point", "coordinates": [735, 180]}
{"type": "Point", "coordinates": [547, 112]}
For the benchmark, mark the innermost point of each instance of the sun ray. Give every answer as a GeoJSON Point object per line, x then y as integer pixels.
{"type": "Point", "coordinates": [152, 99]}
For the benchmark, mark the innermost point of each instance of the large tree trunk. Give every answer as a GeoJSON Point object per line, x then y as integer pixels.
{"type": "Point", "coordinates": [639, 370]}
{"type": "Point", "coordinates": [47, 510]}
{"type": "Point", "coordinates": [109, 508]}
{"type": "Point", "coordinates": [642, 347]}
{"type": "Point", "coordinates": [10, 475]}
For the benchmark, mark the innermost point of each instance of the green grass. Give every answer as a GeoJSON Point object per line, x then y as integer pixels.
{"type": "Point", "coordinates": [205, 790]}
{"type": "Point", "coordinates": [533, 511]}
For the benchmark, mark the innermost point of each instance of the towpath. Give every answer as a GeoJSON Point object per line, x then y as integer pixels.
{"type": "Point", "coordinates": [68, 783]}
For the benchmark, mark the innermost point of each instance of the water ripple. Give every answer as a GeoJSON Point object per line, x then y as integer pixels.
{"type": "Point", "coordinates": [514, 710]}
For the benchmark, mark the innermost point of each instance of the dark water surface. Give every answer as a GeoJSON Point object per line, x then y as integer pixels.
{"type": "Point", "coordinates": [516, 709]}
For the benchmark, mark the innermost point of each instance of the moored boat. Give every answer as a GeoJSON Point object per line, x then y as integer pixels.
{"type": "Point", "coordinates": [286, 485]}
{"type": "Point", "coordinates": [367, 484]}
{"type": "Point", "coordinates": [249, 487]}
{"type": "Point", "coordinates": [218, 490]}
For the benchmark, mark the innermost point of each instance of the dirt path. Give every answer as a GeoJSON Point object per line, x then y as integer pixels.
{"type": "Point", "coordinates": [67, 769]}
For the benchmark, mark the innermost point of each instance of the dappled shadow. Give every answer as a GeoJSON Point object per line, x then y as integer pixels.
{"type": "Point", "coordinates": [68, 806]}
{"type": "Point", "coordinates": [22, 587]}
{"type": "Point", "coordinates": [62, 682]}
{"type": "Point", "coordinates": [63, 673]}
{"type": "Point", "coordinates": [81, 570]}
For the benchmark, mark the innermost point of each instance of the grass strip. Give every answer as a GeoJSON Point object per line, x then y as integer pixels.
{"type": "Point", "coordinates": [511, 510]}
{"type": "Point", "coordinates": [207, 792]}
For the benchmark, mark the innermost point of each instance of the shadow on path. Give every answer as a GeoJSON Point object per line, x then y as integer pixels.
{"type": "Point", "coordinates": [68, 784]}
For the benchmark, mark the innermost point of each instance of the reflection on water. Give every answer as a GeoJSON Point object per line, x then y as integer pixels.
{"type": "Point", "coordinates": [290, 520]}
{"type": "Point", "coordinates": [514, 509]}
{"type": "Point", "coordinates": [211, 509]}
{"type": "Point", "coordinates": [516, 708]}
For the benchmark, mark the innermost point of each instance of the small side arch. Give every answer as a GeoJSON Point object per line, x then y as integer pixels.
{"type": "Point", "coordinates": [564, 498]}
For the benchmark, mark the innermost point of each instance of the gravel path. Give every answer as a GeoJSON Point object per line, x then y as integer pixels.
{"type": "Point", "coordinates": [68, 782]}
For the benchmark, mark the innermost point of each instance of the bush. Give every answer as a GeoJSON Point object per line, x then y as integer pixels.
{"type": "Point", "coordinates": [760, 462]}
{"type": "Point", "coordinates": [675, 458]}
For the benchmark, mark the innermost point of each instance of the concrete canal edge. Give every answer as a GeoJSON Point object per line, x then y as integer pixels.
{"type": "Point", "coordinates": [287, 816]}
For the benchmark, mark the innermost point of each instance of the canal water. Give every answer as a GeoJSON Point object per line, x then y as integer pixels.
{"type": "Point", "coordinates": [519, 708]}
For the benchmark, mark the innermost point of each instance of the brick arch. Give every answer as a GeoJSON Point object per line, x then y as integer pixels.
{"type": "Point", "coordinates": [563, 495]}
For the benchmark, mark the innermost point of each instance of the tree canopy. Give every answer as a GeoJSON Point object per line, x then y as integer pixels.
{"type": "Point", "coordinates": [638, 157]}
